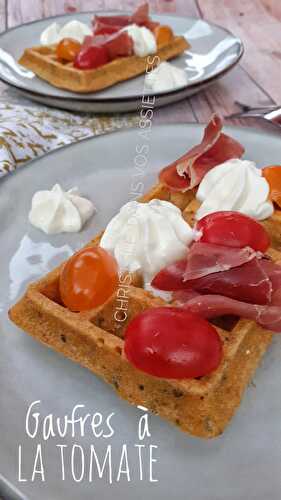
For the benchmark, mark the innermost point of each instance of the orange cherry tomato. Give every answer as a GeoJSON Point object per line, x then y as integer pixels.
{"type": "Point", "coordinates": [67, 49]}
{"type": "Point", "coordinates": [88, 279]}
{"type": "Point", "coordinates": [163, 34]}
{"type": "Point", "coordinates": [273, 177]}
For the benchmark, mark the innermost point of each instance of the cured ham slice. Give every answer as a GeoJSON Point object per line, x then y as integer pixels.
{"type": "Point", "coordinates": [117, 45]}
{"type": "Point", "coordinates": [202, 259]}
{"type": "Point", "coordinates": [256, 281]}
{"type": "Point", "coordinates": [215, 148]}
{"type": "Point", "coordinates": [274, 273]}
{"type": "Point", "coordinates": [181, 297]}
{"type": "Point", "coordinates": [151, 25]}
{"type": "Point", "coordinates": [141, 15]}
{"type": "Point", "coordinates": [248, 283]}
{"type": "Point", "coordinates": [105, 24]}
{"type": "Point", "coordinates": [101, 28]}
{"type": "Point", "coordinates": [111, 20]}
{"type": "Point", "coordinates": [90, 40]}
{"type": "Point", "coordinates": [211, 135]}
{"type": "Point", "coordinates": [212, 306]}
{"type": "Point", "coordinates": [205, 258]}
{"type": "Point", "coordinates": [170, 278]}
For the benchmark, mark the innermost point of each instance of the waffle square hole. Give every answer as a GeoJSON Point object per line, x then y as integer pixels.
{"type": "Point", "coordinates": [51, 291]}
{"type": "Point", "coordinates": [112, 320]}
{"type": "Point", "coordinates": [115, 315]}
{"type": "Point", "coordinates": [227, 322]}
{"type": "Point", "coordinates": [44, 50]}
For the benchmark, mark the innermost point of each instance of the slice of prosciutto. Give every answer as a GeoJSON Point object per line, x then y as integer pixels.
{"type": "Point", "coordinates": [101, 28]}
{"type": "Point", "coordinates": [139, 17]}
{"type": "Point", "coordinates": [212, 306]}
{"type": "Point", "coordinates": [273, 271]}
{"type": "Point", "coordinates": [251, 282]}
{"type": "Point", "coordinates": [202, 259]}
{"type": "Point", "coordinates": [111, 20]}
{"type": "Point", "coordinates": [170, 278]}
{"type": "Point", "coordinates": [206, 258]}
{"type": "Point", "coordinates": [215, 148]}
{"type": "Point", "coordinates": [117, 45]}
{"type": "Point", "coordinates": [181, 297]}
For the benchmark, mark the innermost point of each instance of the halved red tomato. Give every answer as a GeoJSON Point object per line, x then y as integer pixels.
{"type": "Point", "coordinates": [171, 342]}
{"type": "Point", "coordinates": [91, 57]}
{"type": "Point", "coordinates": [233, 229]}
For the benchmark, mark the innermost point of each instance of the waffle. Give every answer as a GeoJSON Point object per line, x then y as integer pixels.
{"type": "Point", "coordinates": [201, 407]}
{"type": "Point", "coordinates": [43, 62]}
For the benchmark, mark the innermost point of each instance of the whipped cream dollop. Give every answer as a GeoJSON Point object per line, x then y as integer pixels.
{"type": "Point", "coordinates": [57, 211]}
{"type": "Point", "coordinates": [143, 40]}
{"type": "Point", "coordinates": [146, 237]}
{"type": "Point", "coordinates": [235, 185]}
{"type": "Point", "coordinates": [54, 33]}
{"type": "Point", "coordinates": [166, 77]}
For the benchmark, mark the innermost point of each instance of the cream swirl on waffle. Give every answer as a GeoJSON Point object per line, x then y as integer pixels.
{"type": "Point", "coordinates": [145, 237]}
{"type": "Point", "coordinates": [235, 185]}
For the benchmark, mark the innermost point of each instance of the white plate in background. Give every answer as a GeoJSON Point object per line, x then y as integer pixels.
{"type": "Point", "coordinates": [214, 51]}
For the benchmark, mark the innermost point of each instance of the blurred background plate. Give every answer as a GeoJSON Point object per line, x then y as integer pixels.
{"type": "Point", "coordinates": [214, 51]}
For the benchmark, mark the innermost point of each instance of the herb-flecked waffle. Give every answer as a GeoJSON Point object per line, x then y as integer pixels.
{"type": "Point", "coordinates": [201, 407]}
{"type": "Point", "coordinates": [43, 62]}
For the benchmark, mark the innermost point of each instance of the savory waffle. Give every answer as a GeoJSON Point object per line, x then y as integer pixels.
{"type": "Point", "coordinates": [202, 407]}
{"type": "Point", "coordinates": [43, 62]}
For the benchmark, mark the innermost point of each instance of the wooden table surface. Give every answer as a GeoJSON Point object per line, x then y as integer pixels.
{"type": "Point", "coordinates": [256, 80]}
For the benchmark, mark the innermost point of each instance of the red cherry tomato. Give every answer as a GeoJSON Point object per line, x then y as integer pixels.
{"type": "Point", "coordinates": [91, 57]}
{"type": "Point", "coordinates": [68, 49]}
{"type": "Point", "coordinates": [171, 342]}
{"type": "Point", "coordinates": [88, 279]}
{"type": "Point", "coordinates": [233, 229]}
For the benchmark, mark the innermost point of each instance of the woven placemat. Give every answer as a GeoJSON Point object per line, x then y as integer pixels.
{"type": "Point", "coordinates": [28, 131]}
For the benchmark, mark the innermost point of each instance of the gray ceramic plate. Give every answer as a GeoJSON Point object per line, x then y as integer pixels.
{"type": "Point", "coordinates": [214, 51]}
{"type": "Point", "coordinates": [244, 463]}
